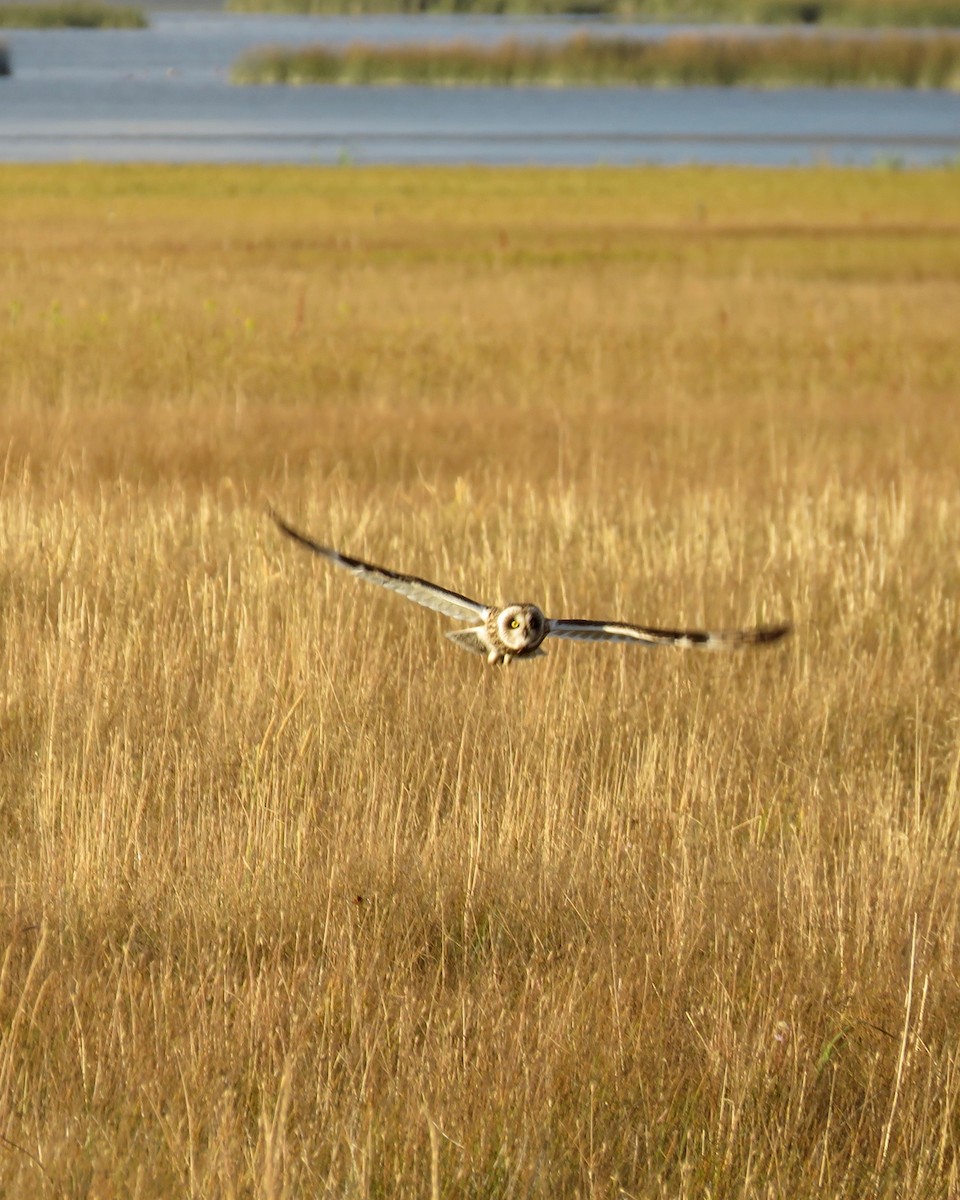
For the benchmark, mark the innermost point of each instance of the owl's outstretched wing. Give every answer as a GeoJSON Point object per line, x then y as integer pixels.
{"type": "Point", "coordinates": [411, 587]}
{"type": "Point", "coordinates": [617, 631]}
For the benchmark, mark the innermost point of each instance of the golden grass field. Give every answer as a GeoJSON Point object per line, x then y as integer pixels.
{"type": "Point", "coordinates": [300, 900]}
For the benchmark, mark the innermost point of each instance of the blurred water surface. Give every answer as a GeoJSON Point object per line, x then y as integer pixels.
{"type": "Point", "coordinates": [163, 94]}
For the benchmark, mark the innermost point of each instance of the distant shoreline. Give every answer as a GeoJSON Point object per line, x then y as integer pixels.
{"type": "Point", "coordinates": [87, 14]}
{"type": "Point", "coordinates": [892, 61]}
{"type": "Point", "coordinates": [894, 14]}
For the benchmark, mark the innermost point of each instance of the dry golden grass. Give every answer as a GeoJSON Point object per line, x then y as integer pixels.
{"type": "Point", "coordinates": [300, 900]}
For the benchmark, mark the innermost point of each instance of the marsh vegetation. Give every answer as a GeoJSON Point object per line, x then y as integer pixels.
{"type": "Point", "coordinates": [864, 13]}
{"type": "Point", "coordinates": [87, 14]}
{"type": "Point", "coordinates": [894, 60]}
{"type": "Point", "coordinates": [301, 900]}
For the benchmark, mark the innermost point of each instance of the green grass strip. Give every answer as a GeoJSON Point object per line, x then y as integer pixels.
{"type": "Point", "coordinates": [893, 60]}
{"type": "Point", "coordinates": [71, 16]}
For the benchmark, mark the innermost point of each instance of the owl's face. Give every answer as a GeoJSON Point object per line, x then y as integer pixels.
{"type": "Point", "coordinates": [521, 627]}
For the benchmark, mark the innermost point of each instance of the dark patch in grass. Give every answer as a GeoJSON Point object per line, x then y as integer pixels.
{"type": "Point", "coordinates": [895, 60]}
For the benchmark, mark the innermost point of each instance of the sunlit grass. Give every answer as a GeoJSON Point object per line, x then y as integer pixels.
{"type": "Point", "coordinates": [895, 60]}
{"type": "Point", "coordinates": [302, 900]}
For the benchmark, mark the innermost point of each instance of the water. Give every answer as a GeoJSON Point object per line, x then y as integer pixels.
{"type": "Point", "coordinates": [163, 95]}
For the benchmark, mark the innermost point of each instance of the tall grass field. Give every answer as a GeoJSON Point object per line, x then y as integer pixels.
{"type": "Point", "coordinates": [300, 900]}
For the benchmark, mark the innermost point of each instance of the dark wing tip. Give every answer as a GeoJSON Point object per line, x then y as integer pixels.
{"type": "Point", "coordinates": [764, 634]}
{"type": "Point", "coordinates": [297, 536]}
{"type": "Point", "coordinates": [279, 521]}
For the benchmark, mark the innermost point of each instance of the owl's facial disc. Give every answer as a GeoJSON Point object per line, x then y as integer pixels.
{"type": "Point", "coordinates": [520, 626]}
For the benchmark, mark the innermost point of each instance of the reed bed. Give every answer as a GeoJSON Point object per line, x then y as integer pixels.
{"type": "Point", "coordinates": [894, 60]}
{"type": "Point", "coordinates": [301, 900]}
{"type": "Point", "coordinates": [71, 15]}
{"type": "Point", "coordinates": [856, 13]}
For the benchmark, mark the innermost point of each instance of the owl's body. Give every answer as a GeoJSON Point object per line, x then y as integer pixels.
{"type": "Point", "coordinates": [514, 631]}
{"type": "Point", "coordinates": [503, 633]}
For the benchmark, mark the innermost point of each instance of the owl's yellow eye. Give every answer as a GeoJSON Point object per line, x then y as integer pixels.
{"type": "Point", "coordinates": [514, 624]}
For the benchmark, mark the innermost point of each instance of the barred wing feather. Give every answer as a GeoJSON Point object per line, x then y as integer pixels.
{"type": "Point", "coordinates": [617, 631]}
{"type": "Point", "coordinates": [411, 587]}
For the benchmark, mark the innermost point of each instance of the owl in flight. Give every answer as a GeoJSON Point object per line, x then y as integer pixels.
{"type": "Point", "coordinates": [517, 630]}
